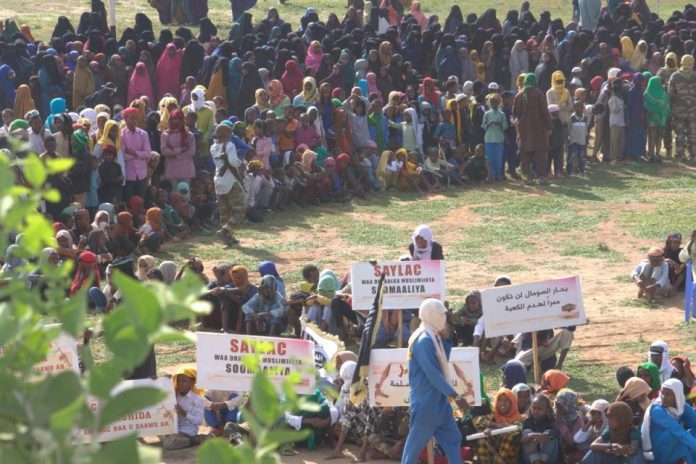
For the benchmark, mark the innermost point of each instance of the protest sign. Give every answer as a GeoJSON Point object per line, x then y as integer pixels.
{"type": "Point", "coordinates": [220, 362]}
{"type": "Point", "coordinates": [406, 285]}
{"type": "Point", "coordinates": [160, 419]}
{"type": "Point", "coordinates": [533, 306]}
{"type": "Point", "coordinates": [388, 383]}
{"type": "Point", "coordinates": [326, 346]}
{"type": "Point", "coordinates": [61, 356]}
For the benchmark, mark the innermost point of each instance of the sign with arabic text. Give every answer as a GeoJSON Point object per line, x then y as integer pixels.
{"type": "Point", "coordinates": [388, 383]}
{"type": "Point", "coordinates": [533, 306]}
{"type": "Point", "coordinates": [406, 283]}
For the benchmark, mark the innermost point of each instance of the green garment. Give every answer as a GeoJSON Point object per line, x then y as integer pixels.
{"type": "Point", "coordinates": [375, 120]}
{"type": "Point", "coordinates": [656, 102]}
{"type": "Point", "coordinates": [205, 123]}
{"type": "Point", "coordinates": [654, 373]}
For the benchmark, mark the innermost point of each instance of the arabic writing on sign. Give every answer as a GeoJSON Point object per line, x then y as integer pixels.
{"type": "Point", "coordinates": [546, 302]}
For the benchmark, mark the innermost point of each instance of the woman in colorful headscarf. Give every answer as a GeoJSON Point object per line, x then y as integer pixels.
{"type": "Point", "coordinates": [314, 56]}
{"type": "Point", "coordinates": [649, 372]}
{"type": "Point", "coordinates": [178, 148]}
{"type": "Point", "coordinates": [431, 95]}
{"type": "Point", "coordinates": [657, 105]}
{"type": "Point", "coordinates": [277, 97]}
{"type": "Point", "coordinates": [682, 366]}
{"type": "Point", "coordinates": [619, 442]}
{"type": "Point", "coordinates": [309, 95]}
{"type": "Point", "coordinates": [292, 78]}
{"type": "Point", "coordinates": [231, 314]}
{"type": "Point", "coordinates": [168, 69]}
{"type": "Point", "coordinates": [559, 95]}
{"type": "Point", "coordinates": [87, 273]}
{"type": "Point", "coordinates": [23, 101]}
{"type": "Point", "coordinates": [140, 84]}
{"type": "Point", "coordinates": [504, 414]}
{"type": "Point", "coordinates": [269, 268]}
{"type": "Point", "coordinates": [668, 426]}
{"type": "Point", "coordinates": [7, 88]}
{"type": "Point", "coordinates": [552, 382]}
{"type": "Point", "coordinates": [635, 394]}
{"type": "Point", "coordinates": [570, 421]}
{"type": "Point", "coordinates": [523, 393]}
{"type": "Point", "coordinates": [422, 247]}
{"type": "Point", "coordinates": [418, 15]}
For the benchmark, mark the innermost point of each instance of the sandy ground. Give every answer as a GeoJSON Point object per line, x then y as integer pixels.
{"type": "Point", "coordinates": [611, 322]}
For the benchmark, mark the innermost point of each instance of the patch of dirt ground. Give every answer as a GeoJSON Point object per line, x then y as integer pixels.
{"type": "Point", "coordinates": [615, 322]}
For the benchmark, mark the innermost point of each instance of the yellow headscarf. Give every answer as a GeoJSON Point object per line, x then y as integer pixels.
{"type": "Point", "coordinates": [313, 95]}
{"type": "Point", "coordinates": [23, 101]}
{"type": "Point", "coordinates": [563, 93]}
{"type": "Point", "coordinates": [670, 69]}
{"type": "Point", "coordinates": [687, 66]}
{"type": "Point", "coordinates": [191, 373]}
{"type": "Point", "coordinates": [627, 48]}
{"type": "Point", "coordinates": [259, 104]}
{"type": "Point", "coordinates": [453, 106]}
{"type": "Point", "coordinates": [382, 167]}
{"type": "Point", "coordinates": [164, 112]}
{"type": "Point", "coordinates": [105, 140]}
{"type": "Point", "coordinates": [639, 58]}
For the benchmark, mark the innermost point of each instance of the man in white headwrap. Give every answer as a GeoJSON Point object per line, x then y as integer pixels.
{"type": "Point", "coordinates": [659, 355]}
{"type": "Point", "coordinates": [431, 387]}
{"type": "Point", "coordinates": [669, 427]}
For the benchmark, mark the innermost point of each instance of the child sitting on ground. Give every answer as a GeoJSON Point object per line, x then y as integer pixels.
{"type": "Point", "coordinates": [476, 167]}
{"type": "Point", "coordinates": [189, 407]}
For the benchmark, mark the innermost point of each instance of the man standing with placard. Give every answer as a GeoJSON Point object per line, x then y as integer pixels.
{"type": "Point", "coordinates": [431, 390]}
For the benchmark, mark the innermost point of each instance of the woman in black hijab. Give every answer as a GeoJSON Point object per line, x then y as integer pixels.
{"type": "Point", "coordinates": [142, 24]}
{"type": "Point", "coordinates": [547, 66]}
{"type": "Point", "coordinates": [63, 27]}
{"type": "Point", "coordinates": [83, 25]}
{"type": "Point", "coordinates": [208, 30]}
{"type": "Point", "coordinates": [192, 61]}
{"type": "Point", "coordinates": [454, 19]}
{"type": "Point", "coordinates": [251, 80]}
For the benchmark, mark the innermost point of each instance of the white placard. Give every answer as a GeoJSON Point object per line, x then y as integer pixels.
{"type": "Point", "coordinates": [160, 419]}
{"type": "Point", "coordinates": [61, 356]}
{"type": "Point", "coordinates": [406, 285]}
{"type": "Point", "coordinates": [533, 306]}
{"type": "Point", "coordinates": [388, 383]}
{"type": "Point", "coordinates": [219, 359]}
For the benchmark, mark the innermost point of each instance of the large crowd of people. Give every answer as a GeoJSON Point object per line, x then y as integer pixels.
{"type": "Point", "coordinates": [194, 134]}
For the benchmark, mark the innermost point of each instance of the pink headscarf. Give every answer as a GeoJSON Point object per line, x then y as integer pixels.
{"type": "Point", "coordinates": [140, 84]}
{"type": "Point", "coordinates": [418, 15]}
{"type": "Point", "coordinates": [313, 59]}
{"type": "Point", "coordinates": [292, 78]}
{"type": "Point", "coordinates": [371, 79]}
{"type": "Point", "coordinates": [168, 69]}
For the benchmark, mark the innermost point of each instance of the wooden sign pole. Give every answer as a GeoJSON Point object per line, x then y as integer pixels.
{"type": "Point", "coordinates": [535, 353]}
{"type": "Point", "coordinates": [400, 328]}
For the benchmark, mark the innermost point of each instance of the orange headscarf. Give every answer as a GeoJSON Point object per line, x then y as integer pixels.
{"type": "Point", "coordinates": [239, 276]}
{"type": "Point", "coordinates": [513, 414]}
{"type": "Point", "coordinates": [553, 380]}
{"type": "Point", "coordinates": [152, 217]}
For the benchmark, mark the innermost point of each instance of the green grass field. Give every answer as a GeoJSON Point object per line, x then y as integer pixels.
{"type": "Point", "coordinates": [597, 227]}
{"type": "Point", "coordinates": [42, 14]}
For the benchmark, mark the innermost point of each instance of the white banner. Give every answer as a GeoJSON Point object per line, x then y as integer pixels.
{"type": "Point", "coordinates": [406, 285]}
{"type": "Point", "coordinates": [326, 346]}
{"type": "Point", "coordinates": [220, 364]}
{"type": "Point", "coordinates": [388, 378]}
{"type": "Point", "coordinates": [61, 356]}
{"type": "Point", "coordinates": [160, 419]}
{"type": "Point", "coordinates": [533, 306]}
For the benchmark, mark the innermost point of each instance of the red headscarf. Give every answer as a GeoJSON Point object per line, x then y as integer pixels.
{"type": "Point", "coordinates": [596, 83]}
{"type": "Point", "coordinates": [292, 78]}
{"type": "Point", "coordinates": [168, 69]}
{"type": "Point", "coordinates": [86, 264]}
{"type": "Point", "coordinates": [432, 97]}
{"type": "Point", "coordinates": [140, 84]}
{"type": "Point", "coordinates": [176, 124]}
{"type": "Point", "coordinates": [343, 160]}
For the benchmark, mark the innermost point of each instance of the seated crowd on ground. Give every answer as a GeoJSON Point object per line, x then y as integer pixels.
{"type": "Point", "coordinates": [188, 134]}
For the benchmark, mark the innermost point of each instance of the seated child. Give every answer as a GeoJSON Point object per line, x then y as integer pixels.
{"type": "Point", "coordinates": [437, 170]}
{"type": "Point", "coordinates": [221, 407]}
{"type": "Point", "coordinates": [505, 413]}
{"type": "Point", "coordinates": [540, 435]}
{"type": "Point", "coordinates": [264, 313]}
{"type": "Point", "coordinates": [476, 167]}
{"type": "Point", "coordinates": [189, 407]}
{"type": "Point", "coordinates": [619, 442]}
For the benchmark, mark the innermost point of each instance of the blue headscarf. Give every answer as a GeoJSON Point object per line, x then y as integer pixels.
{"type": "Point", "coordinates": [234, 78]}
{"type": "Point", "coordinates": [58, 106]}
{"type": "Point", "coordinates": [269, 268]}
{"type": "Point", "coordinates": [71, 60]}
{"type": "Point", "coordinates": [513, 373]}
{"type": "Point", "coordinates": [6, 86]}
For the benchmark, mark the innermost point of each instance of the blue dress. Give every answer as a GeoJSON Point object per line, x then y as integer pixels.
{"type": "Point", "coordinates": [431, 413]}
{"type": "Point", "coordinates": [670, 440]}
